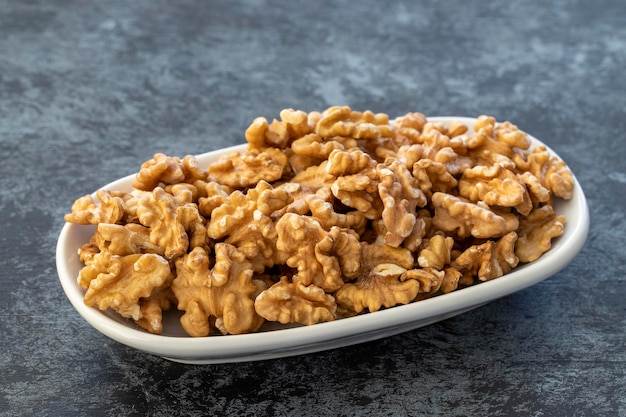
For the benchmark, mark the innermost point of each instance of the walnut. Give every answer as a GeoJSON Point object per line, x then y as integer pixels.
{"type": "Point", "coordinates": [314, 177]}
{"type": "Point", "coordinates": [536, 232]}
{"type": "Point", "coordinates": [356, 181]}
{"type": "Point", "coordinates": [323, 211]}
{"type": "Point", "coordinates": [244, 221]}
{"type": "Point", "coordinates": [437, 252]}
{"type": "Point", "coordinates": [238, 170]}
{"type": "Point", "coordinates": [214, 195]}
{"type": "Point", "coordinates": [87, 251]}
{"type": "Point", "coordinates": [316, 146]}
{"type": "Point", "coordinates": [294, 302]}
{"type": "Point", "coordinates": [120, 282]}
{"type": "Point", "coordinates": [300, 162]}
{"type": "Point", "coordinates": [223, 293]}
{"type": "Point", "coordinates": [407, 128]}
{"type": "Point", "coordinates": [183, 193]}
{"type": "Point", "coordinates": [465, 218]}
{"type": "Point", "coordinates": [381, 286]}
{"type": "Point", "coordinates": [107, 207]}
{"type": "Point", "coordinates": [314, 252]}
{"type": "Point", "coordinates": [132, 201]}
{"type": "Point", "coordinates": [344, 244]}
{"type": "Point", "coordinates": [552, 172]}
{"type": "Point", "coordinates": [400, 198]}
{"type": "Point", "coordinates": [358, 191]}
{"type": "Point", "coordinates": [507, 132]}
{"type": "Point", "coordinates": [293, 124]}
{"type": "Point", "coordinates": [432, 176]}
{"type": "Point", "coordinates": [373, 255]}
{"type": "Point", "coordinates": [451, 280]}
{"type": "Point", "coordinates": [125, 240]}
{"type": "Point", "coordinates": [342, 121]}
{"type": "Point", "coordinates": [351, 161]}
{"type": "Point", "coordinates": [489, 260]}
{"type": "Point", "coordinates": [429, 280]}
{"type": "Point", "coordinates": [495, 186]}
{"type": "Point", "coordinates": [152, 307]}
{"type": "Point", "coordinates": [486, 147]}
{"type": "Point", "coordinates": [168, 222]}
{"type": "Point", "coordinates": [538, 193]}
{"type": "Point", "coordinates": [163, 169]}
{"type": "Point", "coordinates": [456, 128]}
{"type": "Point", "coordinates": [435, 147]}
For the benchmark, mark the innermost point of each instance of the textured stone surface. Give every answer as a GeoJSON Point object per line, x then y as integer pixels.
{"type": "Point", "coordinates": [88, 91]}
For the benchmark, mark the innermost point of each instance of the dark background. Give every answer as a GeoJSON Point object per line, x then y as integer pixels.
{"type": "Point", "coordinates": [90, 90]}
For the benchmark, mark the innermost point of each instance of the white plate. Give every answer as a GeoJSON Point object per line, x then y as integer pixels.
{"type": "Point", "coordinates": [174, 345]}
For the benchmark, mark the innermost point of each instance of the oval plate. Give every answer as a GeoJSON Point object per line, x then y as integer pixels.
{"type": "Point", "coordinates": [281, 341]}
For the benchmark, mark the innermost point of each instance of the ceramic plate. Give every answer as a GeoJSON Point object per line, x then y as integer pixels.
{"type": "Point", "coordinates": [283, 341]}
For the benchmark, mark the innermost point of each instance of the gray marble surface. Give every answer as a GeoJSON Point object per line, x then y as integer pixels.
{"type": "Point", "coordinates": [90, 90]}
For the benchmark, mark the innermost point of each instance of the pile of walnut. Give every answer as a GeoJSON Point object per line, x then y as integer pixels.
{"type": "Point", "coordinates": [325, 215]}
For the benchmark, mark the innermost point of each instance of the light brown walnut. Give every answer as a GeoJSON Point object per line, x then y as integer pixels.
{"type": "Point", "coordinates": [314, 177]}
{"type": "Point", "coordinates": [120, 282]}
{"type": "Point", "coordinates": [551, 171]}
{"type": "Point", "coordinates": [152, 308]}
{"type": "Point", "coordinates": [432, 176]}
{"type": "Point", "coordinates": [495, 185]}
{"type": "Point", "coordinates": [244, 221]}
{"type": "Point", "coordinates": [536, 232]}
{"type": "Point", "coordinates": [408, 128]}
{"type": "Point", "coordinates": [400, 198]}
{"type": "Point", "coordinates": [484, 146]}
{"type": "Point", "coordinates": [164, 170]}
{"type": "Point", "coordinates": [241, 170]}
{"type": "Point", "coordinates": [429, 280]}
{"type": "Point", "coordinates": [107, 207]}
{"type": "Point", "coordinates": [382, 286]}
{"type": "Point", "coordinates": [324, 212]}
{"type": "Point", "coordinates": [437, 252]}
{"type": "Point", "coordinates": [125, 240]}
{"type": "Point", "coordinates": [222, 295]}
{"type": "Point", "coordinates": [293, 302]}
{"type": "Point", "coordinates": [348, 162]}
{"type": "Point", "coordinates": [316, 146]}
{"type": "Point", "coordinates": [213, 195]}
{"type": "Point", "coordinates": [359, 191]}
{"type": "Point", "coordinates": [489, 260]}
{"type": "Point", "coordinates": [314, 252]}
{"type": "Point", "coordinates": [279, 133]}
{"type": "Point", "coordinates": [343, 121]}
{"type": "Point", "coordinates": [376, 254]}
{"type": "Point", "coordinates": [538, 193]}
{"type": "Point", "coordinates": [465, 218]}
{"type": "Point", "coordinates": [168, 222]}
